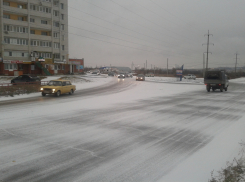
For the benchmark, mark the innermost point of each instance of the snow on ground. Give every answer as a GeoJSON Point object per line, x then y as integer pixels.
{"type": "Point", "coordinates": [175, 80]}
{"type": "Point", "coordinates": [196, 167]}
{"type": "Point", "coordinates": [81, 82]}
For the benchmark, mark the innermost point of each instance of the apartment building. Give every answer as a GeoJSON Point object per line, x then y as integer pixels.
{"type": "Point", "coordinates": [33, 37]}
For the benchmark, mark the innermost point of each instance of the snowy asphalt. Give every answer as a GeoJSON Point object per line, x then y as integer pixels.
{"type": "Point", "coordinates": [139, 141]}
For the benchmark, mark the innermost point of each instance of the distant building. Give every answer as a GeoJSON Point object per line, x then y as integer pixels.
{"type": "Point", "coordinates": [33, 37]}
{"type": "Point", "coordinates": [122, 69]}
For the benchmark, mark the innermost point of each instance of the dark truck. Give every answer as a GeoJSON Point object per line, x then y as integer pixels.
{"type": "Point", "coordinates": [216, 80]}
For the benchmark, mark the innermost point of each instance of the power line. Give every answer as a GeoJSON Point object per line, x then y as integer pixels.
{"type": "Point", "coordinates": [144, 18]}
{"type": "Point", "coordinates": [170, 13]}
{"type": "Point", "coordinates": [161, 17]}
{"type": "Point", "coordinates": [128, 19]}
{"type": "Point", "coordinates": [116, 38]}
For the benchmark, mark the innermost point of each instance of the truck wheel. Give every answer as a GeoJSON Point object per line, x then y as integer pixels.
{"type": "Point", "coordinates": [226, 88]}
{"type": "Point", "coordinates": [221, 88]}
{"type": "Point", "coordinates": [208, 89]}
{"type": "Point", "coordinates": [43, 94]}
{"type": "Point", "coordinates": [58, 93]}
{"type": "Point", "coordinates": [213, 89]}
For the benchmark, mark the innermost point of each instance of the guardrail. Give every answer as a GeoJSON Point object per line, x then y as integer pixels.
{"type": "Point", "coordinates": [11, 89]}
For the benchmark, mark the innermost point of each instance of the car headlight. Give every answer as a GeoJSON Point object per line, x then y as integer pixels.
{"type": "Point", "coordinates": [41, 88]}
{"type": "Point", "coordinates": [53, 90]}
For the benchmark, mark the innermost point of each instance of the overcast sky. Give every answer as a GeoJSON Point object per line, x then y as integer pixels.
{"type": "Point", "coordinates": [122, 32]}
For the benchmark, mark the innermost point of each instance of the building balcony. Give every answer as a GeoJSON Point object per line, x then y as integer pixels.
{"type": "Point", "coordinates": [14, 47]}
{"type": "Point", "coordinates": [21, 1]}
{"type": "Point", "coordinates": [41, 26]}
{"type": "Point", "coordinates": [40, 37]}
{"type": "Point", "coordinates": [15, 10]}
{"type": "Point", "coordinates": [47, 4]}
{"type": "Point", "coordinates": [24, 59]}
{"type": "Point", "coordinates": [15, 22]}
{"type": "Point", "coordinates": [15, 35]}
{"type": "Point", "coordinates": [40, 14]}
{"type": "Point", "coordinates": [41, 49]}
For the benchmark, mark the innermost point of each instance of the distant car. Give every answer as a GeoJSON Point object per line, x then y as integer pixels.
{"type": "Point", "coordinates": [111, 74]}
{"type": "Point", "coordinates": [140, 77]}
{"type": "Point", "coordinates": [129, 75]}
{"type": "Point", "coordinates": [25, 78]}
{"type": "Point", "coordinates": [121, 76]}
{"type": "Point", "coordinates": [190, 76]}
{"type": "Point", "coordinates": [58, 87]}
{"type": "Point", "coordinates": [96, 73]}
{"type": "Point", "coordinates": [149, 75]}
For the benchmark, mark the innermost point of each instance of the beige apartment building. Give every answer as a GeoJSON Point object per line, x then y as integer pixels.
{"type": "Point", "coordinates": [33, 37]}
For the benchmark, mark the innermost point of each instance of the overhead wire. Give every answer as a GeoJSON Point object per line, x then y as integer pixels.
{"type": "Point", "coordinates": [148, 20]}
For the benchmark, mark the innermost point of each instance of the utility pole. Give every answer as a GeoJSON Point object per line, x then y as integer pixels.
{"type": "Point", "coordinates": [167, 67]}
{"type": "Point", "coordinates": [203, 65]}
{"type": "Point", "coordinates": [208, 48]}
{"type": "Point", "coordinates": [236, 62]}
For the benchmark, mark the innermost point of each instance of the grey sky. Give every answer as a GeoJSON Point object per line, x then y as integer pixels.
{"type": "Point", "coordinates": [119, 32]}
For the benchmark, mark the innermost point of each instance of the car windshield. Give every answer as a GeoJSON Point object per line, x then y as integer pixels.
{"type": "Point", "coordinates": [140, 75]}
{"type": "Point", "coordinates": [55, 83]}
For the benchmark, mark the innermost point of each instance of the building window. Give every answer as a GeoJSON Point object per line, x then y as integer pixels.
{"type": "Point", "coordinates": [22, 29]}
{"type": "Point", "coordinates": [6, 3]}
{"type": "Point", "coordinates": [8, 66]}
{"type": "Point", "coordinates": [44, 22]}
{"type": "Point", "coordinates": [62, 16]}
{"type": "Point", "coordinates": [32, 20]}
{"type": "Point", "coordinates": [8, 28]}
{"type": "Point", "coordinates": [63, 47]}
{"type": "Point", "coordinates": [63, 67]}
{"type": "Point", "coordinates": [15, 41]}
{"type": "Point", "coordinates": [56, 45]}
{"type": "Point", "coordinates": [20, 6]}
{"type": "Point", "coordinates": [44, 33]}
{"type": "Point", "coordinates": [34, 43]}
{"type": "Point", "coordinates": [56, 3]}
{"type": "Point", "coordinates": [56, 56]}
{"type": "Point", "coordinates": [32, 32]}
{"type": "Point", "coordinates": [63, 37]}
{"type": "Point", "coordinates": [20, 18]}
{"type": "Point", "coordinates": [62, 26]}
{"type": "Point", "coordinates": [61, 5]}
{"type": "Point", "coordinates": [45, 44]}
{"type": "Point", "coordinates": [56, 24]}
{"type": "Point", "coordinates": [56, 13]}
{"type": "Point", "coordinates": [6, 16]}
{"type": "Point", "coordinates": [56, 35]}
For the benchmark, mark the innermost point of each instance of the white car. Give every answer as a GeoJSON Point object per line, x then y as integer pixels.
{"type": "Point", "coordinates": [190, 76]}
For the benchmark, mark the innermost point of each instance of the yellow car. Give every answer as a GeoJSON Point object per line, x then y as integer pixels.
{"type": "Point", "coordinates": [58, 87]}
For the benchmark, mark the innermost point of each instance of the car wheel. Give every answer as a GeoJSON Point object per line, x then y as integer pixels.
{"type": "Point", "coordinates": [58, 93]}
{"type": "Point", "coordinates": [226, 88]}
{"type": "Point", "coordinates": [43, 94]}
{"type": "Point", "coordinates": [71, 92]}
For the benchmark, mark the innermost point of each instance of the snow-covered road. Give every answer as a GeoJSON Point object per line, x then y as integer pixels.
{"type": "Point", "coordinates": [122, 130]}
